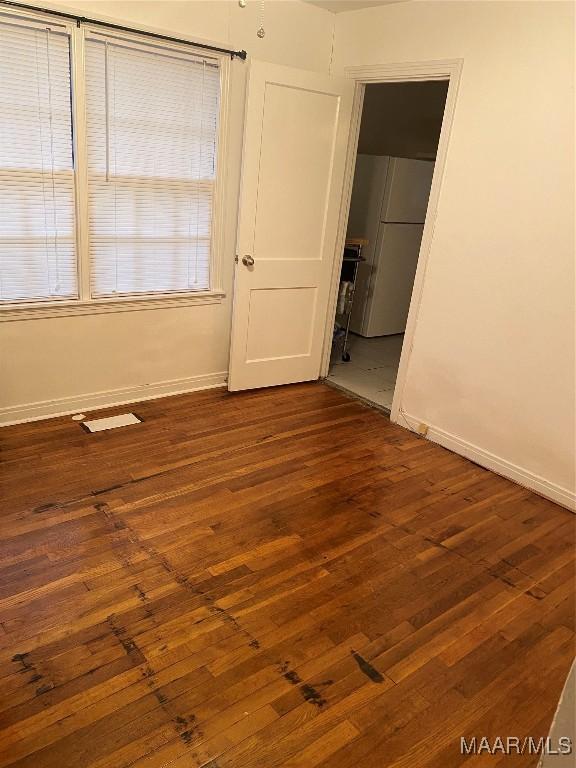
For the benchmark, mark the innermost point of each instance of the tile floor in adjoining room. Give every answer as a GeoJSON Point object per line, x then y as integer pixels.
{"type": "Point", "coordinates": [371, 372]}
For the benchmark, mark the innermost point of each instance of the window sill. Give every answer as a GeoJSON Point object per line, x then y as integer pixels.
{"type": "Point", "coordinates": [105, 306]}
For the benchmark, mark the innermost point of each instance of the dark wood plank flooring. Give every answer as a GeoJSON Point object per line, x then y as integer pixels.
{"type": "Point", "coordinates": [272, 578]}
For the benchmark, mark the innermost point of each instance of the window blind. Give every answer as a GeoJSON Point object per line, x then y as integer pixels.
{"type": "Point", "coordinates": [37, 218]}
{"type": "Point", "coordinates": [151, 135]}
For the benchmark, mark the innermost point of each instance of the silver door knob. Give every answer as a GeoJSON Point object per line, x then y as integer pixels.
{"type": "Point", "coordinates": [248, 261]}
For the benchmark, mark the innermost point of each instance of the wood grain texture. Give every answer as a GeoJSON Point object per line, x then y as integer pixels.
{"type": "Point", "coordinates": [271, 578]}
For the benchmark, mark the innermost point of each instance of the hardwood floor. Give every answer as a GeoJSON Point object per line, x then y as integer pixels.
{"type": "Point", "coordinates": [272, 578]}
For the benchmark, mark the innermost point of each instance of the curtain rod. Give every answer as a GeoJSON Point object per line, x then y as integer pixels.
{"type": "Point", "coordinates": [119, 28]}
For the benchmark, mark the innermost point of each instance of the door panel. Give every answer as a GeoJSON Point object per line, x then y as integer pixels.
{"type": "Point", "coordinates": [295, 172]}
{"type": "Point", "coordinates": [293, 309]}
{"type": "Point", "coordinates": [295, 143]}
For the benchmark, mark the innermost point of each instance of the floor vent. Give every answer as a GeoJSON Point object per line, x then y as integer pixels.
{"type": "Point", "coordinates": [111, 422]}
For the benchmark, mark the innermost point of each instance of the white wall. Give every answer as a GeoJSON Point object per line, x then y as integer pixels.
{"type": "Point", "coordinates": [57, 364]}
{"type": "Point", "coordinates": [492, 365]}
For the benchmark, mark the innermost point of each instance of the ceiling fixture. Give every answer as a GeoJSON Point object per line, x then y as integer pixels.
{"type": "Point", "coordinates": [260, 31]}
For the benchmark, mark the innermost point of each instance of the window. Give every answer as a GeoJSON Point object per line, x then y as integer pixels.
{"type": "Point", "coordinates": [152, 120]}
{"type": "Point", "coordinates": [108, 169]}
{"type": "Point", "coordinates": [37, 231]}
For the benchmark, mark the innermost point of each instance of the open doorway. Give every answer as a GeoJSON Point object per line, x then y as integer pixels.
{"type": "Point", "coordinates": [398, 142]}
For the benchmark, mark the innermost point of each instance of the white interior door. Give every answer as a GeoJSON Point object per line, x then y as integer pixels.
{"type": "Point", "coordinates": [295, 141]}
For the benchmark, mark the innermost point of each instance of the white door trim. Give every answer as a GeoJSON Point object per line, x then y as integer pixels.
{"type": "Point", "coordinates": [449, 69]}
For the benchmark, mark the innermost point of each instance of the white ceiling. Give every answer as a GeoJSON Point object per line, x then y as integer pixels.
{"type": "Point", "coordinates": [339, 6]}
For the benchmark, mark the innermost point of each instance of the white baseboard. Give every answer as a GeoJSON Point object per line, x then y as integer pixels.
{"type": "Point", "coordinates": [563, 496]}
{"type": "Point", "coordinates": [64, 406]}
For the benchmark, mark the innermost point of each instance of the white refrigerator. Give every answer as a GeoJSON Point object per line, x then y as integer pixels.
{"type": "Point", "coordinates": [388, 207]}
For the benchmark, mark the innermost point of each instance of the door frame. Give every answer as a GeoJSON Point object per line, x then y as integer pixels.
{"type": "Point", "coordinates": [446, 69]}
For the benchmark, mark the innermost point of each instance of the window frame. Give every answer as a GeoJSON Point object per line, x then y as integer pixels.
{"type": "Point", "coordinates": [85, 304]}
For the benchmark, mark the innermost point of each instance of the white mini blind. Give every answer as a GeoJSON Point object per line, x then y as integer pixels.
{"type": "Point", "coordinates": [37, 205]}
{"type": "Point", "coordinates": [152, 123]}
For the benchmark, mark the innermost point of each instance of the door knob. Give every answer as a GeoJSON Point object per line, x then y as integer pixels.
{"type": "Point", "coordinates": [248, 261]}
